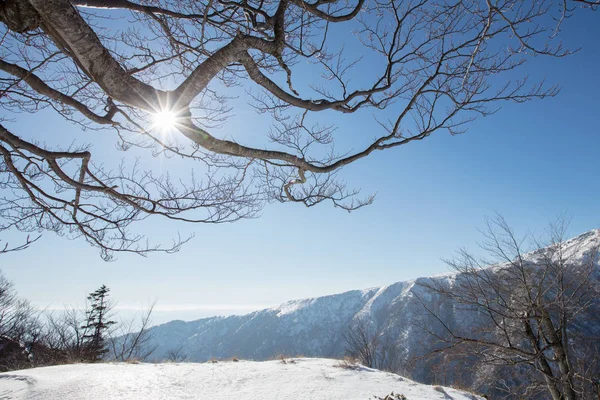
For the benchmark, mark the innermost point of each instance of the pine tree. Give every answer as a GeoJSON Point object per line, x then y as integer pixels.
{"type": "Point", "coordinates": [96, 325]}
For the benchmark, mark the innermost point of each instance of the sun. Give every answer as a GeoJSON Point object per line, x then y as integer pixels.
{"type": "Point", "coordinates": [165, 120]}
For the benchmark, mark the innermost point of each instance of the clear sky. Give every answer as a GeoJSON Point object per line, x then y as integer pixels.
{"type": "Point", "coordinates": [529, 162]}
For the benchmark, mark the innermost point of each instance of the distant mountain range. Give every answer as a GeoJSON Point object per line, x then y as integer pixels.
{"type": "Point", "coordinates": [315, 327]}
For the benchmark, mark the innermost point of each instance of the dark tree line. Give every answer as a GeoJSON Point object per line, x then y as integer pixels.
{"type": "Point", "coordinates": [30, 338]}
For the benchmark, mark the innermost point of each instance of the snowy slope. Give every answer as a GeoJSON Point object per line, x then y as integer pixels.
{"type": "Point", "coordinates": [270, 380]}
{"type": "Point", "coordinates": [308, 327]}
{"type": "Point", "coordinates": [315, 327]}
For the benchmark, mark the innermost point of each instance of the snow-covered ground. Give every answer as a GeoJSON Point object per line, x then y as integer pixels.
{"type": "Point", "coordinates": [303, 378]}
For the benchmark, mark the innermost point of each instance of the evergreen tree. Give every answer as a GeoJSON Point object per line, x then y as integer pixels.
{"type": "Point", "coordinates": [96, 325]}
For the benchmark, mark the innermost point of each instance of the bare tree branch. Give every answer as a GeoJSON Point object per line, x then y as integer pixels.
{"type": "Point", "coordinates": [433, 67]}
{"type": "Point", "coordinates": [528, 311]}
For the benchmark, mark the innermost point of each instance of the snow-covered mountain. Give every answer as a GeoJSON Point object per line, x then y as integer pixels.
{"type": "Point", "coordinates": [315, 327]}
{"type": "Point", "coordinates": [243, 380]}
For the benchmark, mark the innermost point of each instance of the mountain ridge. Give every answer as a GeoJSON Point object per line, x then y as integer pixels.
{"type": "Point", "coordinates": [399, 314]}
{"type": "Point", "coordinates": [292, 305]}
{"type": "Point", "coordinates": [297, 318]}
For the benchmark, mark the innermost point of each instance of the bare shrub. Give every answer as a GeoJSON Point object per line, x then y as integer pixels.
{"type": "Point", "coordinates": [371, 348]}
{"type": "Point", "coordinates": [131, 340]}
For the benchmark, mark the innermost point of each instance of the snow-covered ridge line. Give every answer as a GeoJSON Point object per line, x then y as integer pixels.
{"type": "Point", "coordinates": [574, 248]}
{"type": "Point", "coordinates": [315, 326]}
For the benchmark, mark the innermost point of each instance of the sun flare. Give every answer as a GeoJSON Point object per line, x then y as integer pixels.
{"type": "Point", "coordinates": [165, 120]}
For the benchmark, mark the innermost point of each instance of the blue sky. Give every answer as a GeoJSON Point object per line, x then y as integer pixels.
{"type": "Point", "coordinates": [529, 162]}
